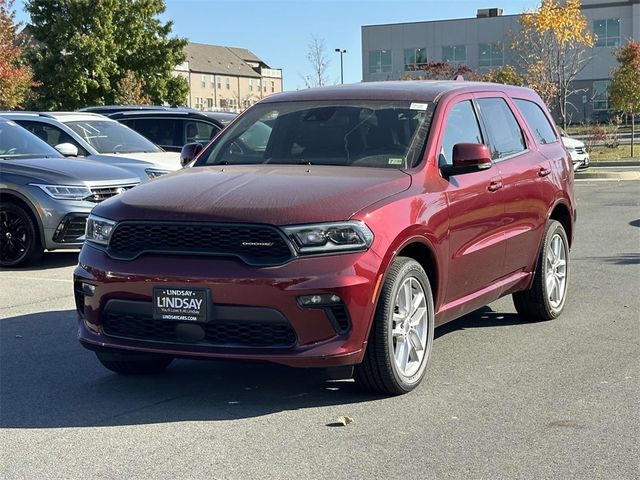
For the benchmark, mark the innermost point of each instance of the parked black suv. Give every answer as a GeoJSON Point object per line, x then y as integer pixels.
{"type": "Point", "coordinates": [169, 127]}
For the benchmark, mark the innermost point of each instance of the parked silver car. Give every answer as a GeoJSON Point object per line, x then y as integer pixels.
{"type": "Point", "coordinates": [96, 137]}
{"type": "Point", "coordinates": [45, 198]}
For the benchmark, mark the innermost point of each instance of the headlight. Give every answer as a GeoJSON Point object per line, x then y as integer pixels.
{"type": "Point", "coordinates": [99, 230]}
{"type": "Point", "coordinates": [65, 192]}
{"type": "Point", "coordinates": [330, 237]}
{"type": "Point", "coordinates": [154, 172]}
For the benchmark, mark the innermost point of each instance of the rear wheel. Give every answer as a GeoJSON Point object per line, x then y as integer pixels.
{"type": "Point", "coordinates": [402, 333]}
{"type": "Point", "coordinates": [132, 364]}
{"type": "Point", "coordinates": [546, 298]}
{"type": "Point", "coordinates": [19, 237]}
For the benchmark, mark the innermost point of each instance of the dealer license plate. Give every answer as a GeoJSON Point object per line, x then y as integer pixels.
{"type": "Point", "coordinates": [180, 304]}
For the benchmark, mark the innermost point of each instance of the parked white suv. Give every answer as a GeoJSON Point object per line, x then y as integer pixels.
{"type": "Point", "coordinates": [96, 137]}
{"type": "Point", "coordinates": [577, 150]}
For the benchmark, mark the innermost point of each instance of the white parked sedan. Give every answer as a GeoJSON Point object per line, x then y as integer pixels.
{"type": "Point", "coordinates": [577, 149]}
{"type": "Point", "coordinates": [96, 137]}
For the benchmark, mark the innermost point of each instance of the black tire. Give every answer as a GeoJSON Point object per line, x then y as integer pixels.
{"type": "Point", "coordinates": [20, 242]}
{"type": "Point", "coordinates": [535, 304]}
{"type": "Point", "coordinates": [378, 372]}
{"type": "Point", "coordinates": [133, 364]}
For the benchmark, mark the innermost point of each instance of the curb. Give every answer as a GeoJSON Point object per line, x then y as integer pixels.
{"type": "Point", "coordinates": [608, 174]}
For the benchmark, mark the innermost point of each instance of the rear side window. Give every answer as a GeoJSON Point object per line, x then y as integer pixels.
{"type": "Point", "coordinates": [462, 127]}
{"type": "Point", "coordinates": [504, 132]}
{"type": "Point", "coordinates": [537, 120]}
{"type": "Point", "coordinates": [161, 131]}
{"type": "Point", "coordinates": [199, 132]}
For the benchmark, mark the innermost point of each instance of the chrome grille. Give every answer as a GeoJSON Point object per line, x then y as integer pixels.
{"type": "Point", "coordinates": [98, 194]}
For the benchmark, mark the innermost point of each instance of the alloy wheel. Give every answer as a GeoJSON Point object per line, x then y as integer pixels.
{"type": "Point", "coordinates": [556, 271]}
{"type": "Point", "coordinates": [14, 238]}
{"type": "Point", "coordinates": [409, 327]}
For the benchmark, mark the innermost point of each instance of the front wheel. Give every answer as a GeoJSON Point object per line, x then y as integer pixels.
{"type": "Point", "coordinates": [20, 242]}
{"type": "Point", "coordinates": [546, 298]}
{"type": "Point", "coordinates": [402, 333]}
{"type": "Point", "coordinates": [131, 364]}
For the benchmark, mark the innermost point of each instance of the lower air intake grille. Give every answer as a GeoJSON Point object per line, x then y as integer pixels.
{"type": "Point", "coordinates": [240, 334]}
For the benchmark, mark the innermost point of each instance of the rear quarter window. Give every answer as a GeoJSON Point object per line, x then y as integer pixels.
{"type": "Point", "coordinates": [537, 121]}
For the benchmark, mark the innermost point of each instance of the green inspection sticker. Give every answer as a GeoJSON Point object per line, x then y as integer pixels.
{"type": "Point", "coordinates": [396, 161]}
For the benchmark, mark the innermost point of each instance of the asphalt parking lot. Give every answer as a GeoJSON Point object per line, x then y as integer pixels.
{"type": "Point", "coordinates": [502, 399]}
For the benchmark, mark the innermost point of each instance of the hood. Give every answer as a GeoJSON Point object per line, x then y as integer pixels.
{"type": "Point", "coordinates": [276, 195]}
{"type": "Point", "coordinates": [164, 160]}
{"type": "Point", "coordinates": [161, 160]}
{"type": "Point", "coordinates": [572, 142]}
{"type": "Point", "coordinates": [65, 171]}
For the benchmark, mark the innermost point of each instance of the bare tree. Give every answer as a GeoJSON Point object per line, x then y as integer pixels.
{"type": "Point", "coordinates": [317, 57]}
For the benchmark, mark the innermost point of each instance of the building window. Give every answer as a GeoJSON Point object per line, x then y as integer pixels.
{"type": "Point", "coordinates": [210, 103]}
{"type": "Point", "coordinates": [379, 61]}
{"type": "Point", "coordinates": [203, 80]}
{"type": "Point", "coordinates": [219, 82]}
{"type": "Point", "coordinates": [199, 103]}
{"type": "Point", "coordinates": [601, 95]}
{"type": "Point", "coordinates": [414, 58]}
{"type": "Point", "coordinates": [228, 82]}
{"type": "Point", "coordinates": [490, 55]}
{"type": "Point", "coordinates": [273, 86]}
{"type": "Point", "coordinates": [212, 78]}
{"type": "Point", "coordinates": [607, 32]}
{"type": "Point", "coordinates": [251, 84]}
{"type": "Point", "coordinates": [223, 103]}
{"type": "Point", "coordinates": [455, 54]}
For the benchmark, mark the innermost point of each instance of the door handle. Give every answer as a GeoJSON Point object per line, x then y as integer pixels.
{"type": "Point", "coordinates": [495, 185]}
{"type": "Point", "coordinates": [543, 172]}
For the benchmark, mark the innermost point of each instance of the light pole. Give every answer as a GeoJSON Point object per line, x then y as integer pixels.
{"type": "Point", "coordinates": [341, 51]}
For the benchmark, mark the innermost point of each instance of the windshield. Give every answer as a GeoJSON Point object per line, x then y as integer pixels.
{"type": "Point", "coordinates": [380, 134]}
{"type": "Point", "coordinates": [16, 142]}
{"type": "Point", "coordinates": [108, 136]}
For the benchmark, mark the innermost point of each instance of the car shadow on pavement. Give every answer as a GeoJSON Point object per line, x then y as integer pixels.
{"type": "Point", "coordinates": [49, 260]}
{"type": "Point", "coordinates": [47, 380]}
{"type": "Point", "coordinates": [483, 317]}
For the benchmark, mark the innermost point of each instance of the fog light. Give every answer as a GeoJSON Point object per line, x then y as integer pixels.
{"type": "Point", "coordinates": [320, 300]}
{"type": "Point", "coordinates": [88, 289]}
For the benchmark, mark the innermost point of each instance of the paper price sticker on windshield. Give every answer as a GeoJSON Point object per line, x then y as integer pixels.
{"type": "Point", "coordinates": [419, 106]}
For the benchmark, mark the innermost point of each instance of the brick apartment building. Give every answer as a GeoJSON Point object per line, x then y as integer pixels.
{"type": "Point", "coordinates": [226, 78]}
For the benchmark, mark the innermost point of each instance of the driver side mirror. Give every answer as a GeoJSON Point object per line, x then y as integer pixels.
{"type": "Point", "coordinates": [67, 149]}
{"type": "Point", "coordinates": [189, 152]}
{"type": "Point", "coordinates": [467, 158]}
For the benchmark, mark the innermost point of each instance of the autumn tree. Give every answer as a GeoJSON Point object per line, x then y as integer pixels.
{"type": "Point", "coordinates": [625, 83]}
{"type": "Point", "coordinates": [506, 75]}
{"type": "Point", "coordinates": [553, 42]}
{"type": "Point", "coordinates": [87, 47]}
{"type": "Point", "coordinates": [16, 78]}
{"type": "Point", "coordinates": [435, 70]}
{"type": "Point", "coordinates": [319, 61]}
{"type": "Point", "coordinates": [130, 90]}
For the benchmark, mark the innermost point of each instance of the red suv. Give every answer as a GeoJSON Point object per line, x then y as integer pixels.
{"type": "Point", "coordinates": [335, 227]}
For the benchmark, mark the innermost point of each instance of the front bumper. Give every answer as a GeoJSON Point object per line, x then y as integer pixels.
{"type": "Point", "coordinates": [580, 160]}
{"type": "Point", "coordinates": [62, 221]}
{"type": "Point", "coordinates": [245, 300]}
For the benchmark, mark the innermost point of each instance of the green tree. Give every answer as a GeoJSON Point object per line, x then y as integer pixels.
{"type": "Point", "coordinates": [16, 79]}
{"type": "Point", "coordinates": [83, 48]}
{"type": "Point", "coordinates": [625, 83]}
